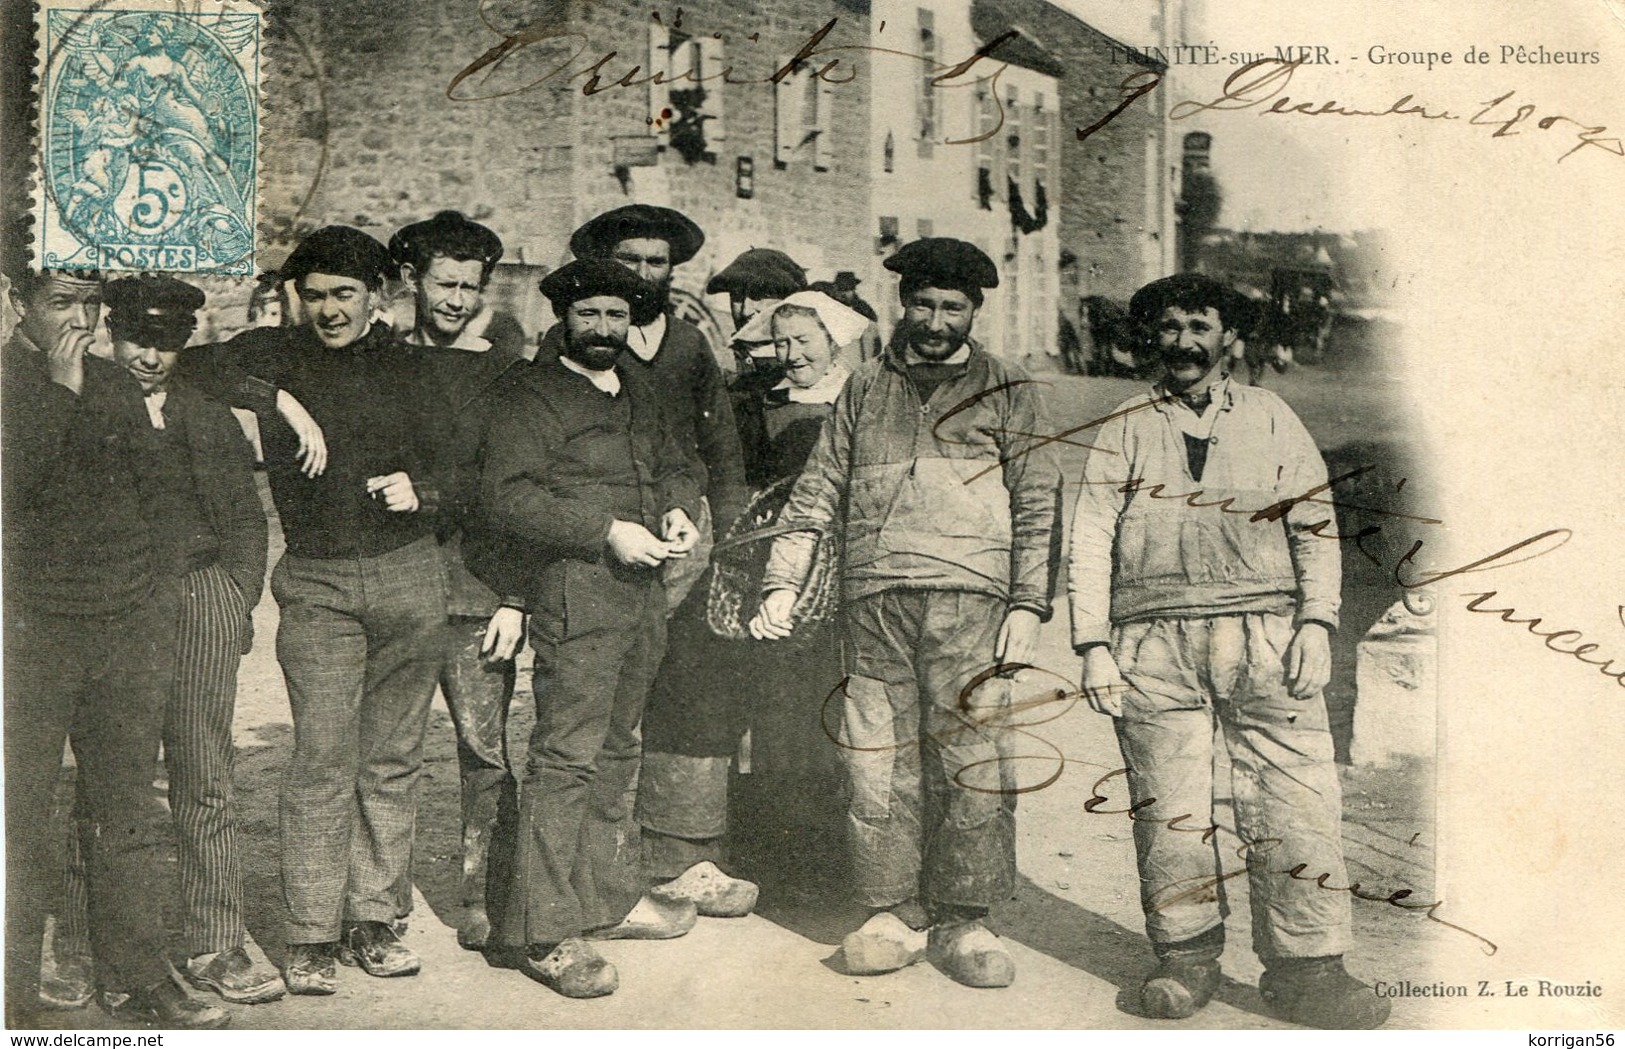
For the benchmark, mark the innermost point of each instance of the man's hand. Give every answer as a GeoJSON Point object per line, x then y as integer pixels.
{"type": "Point", "coordinates": [66, 360]}
{"type": "Point", "coordinates": [396, 492]}
{"type": "Point", "coordinates": [312, 445]}
{"type": "Point", "coordinates": [633, 544]}
{"type": "Point", "coordinates": [1103, 683]}
{"type": "Point", "coordinates": [772, 620]}
{"type": "Point", "coordinates": [678, 531]}
{"type": "Point", "coordinates": [1308, 661]}
{"type": "Point", "coordinates": [1018, 637]}
{"type": "Point", "coordinates": [503, 635]}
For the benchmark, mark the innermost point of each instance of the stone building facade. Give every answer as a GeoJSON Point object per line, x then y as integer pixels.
{"type": "Point", "coordinates": [1117, 184]}
{"type": "Point", "coordinates": [532, 117]}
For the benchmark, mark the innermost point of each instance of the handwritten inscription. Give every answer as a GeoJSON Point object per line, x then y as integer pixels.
{"type": "Point", "coordinates": [1251, 86]}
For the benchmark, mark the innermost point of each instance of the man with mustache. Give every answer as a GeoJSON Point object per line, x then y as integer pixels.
{"type": "Point", "coordinates": [361, 588]}
{"type": "Point", "coordinates": [949, 510]}
{"type": "Point", "coordinates": [681, 841]}
{"type": "Point", "coordinates": [587, 492]}
{"type": "Point", "coordinates": [1193, 612]}
{"type": "Point", "coordinates": [447, 260]}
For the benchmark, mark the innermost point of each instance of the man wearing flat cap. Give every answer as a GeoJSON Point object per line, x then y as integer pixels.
{"type": "Point", "coordinates": [949, 510]}
{"type": "Point", "coordinates": [362, 591]}
{"type": "Point", "coordinates": [587, 493]}
{"type": "Point", "coordinates": [91, 608]}
{"type": "Point", "coordinates": [1189, 613]}
{"type": "Point", "coordinates": [447, 260]}
{"type": "Point", "coordinates": [215, 534]}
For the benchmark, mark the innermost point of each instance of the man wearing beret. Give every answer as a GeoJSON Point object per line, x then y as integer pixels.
{"type": "Point", "coordinates": [589, 491]}
{"type": "Point", "coordinates": [754, 281]}
{"type": "Point", "coordinates": [1188, 612]}
{"type": "Point", "coordinates": [214, 532]}
{"type": "Point", "coordinates": [90, 613]}
{"type": "Point", "coordinates": [649, 241]}
{"type": "Point", "coordinates": [950, 519]}
{"type": "Point", "coordinates": [362, 591]}
{"type": "Point", "coordinates": [447, 260]}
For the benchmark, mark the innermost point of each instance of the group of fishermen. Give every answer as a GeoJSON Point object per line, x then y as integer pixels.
{"type": "Point", "coordinates": [449, 493]}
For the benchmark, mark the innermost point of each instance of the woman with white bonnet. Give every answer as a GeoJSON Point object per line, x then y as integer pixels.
{"type": "Point", "coordinates": [782, 823]}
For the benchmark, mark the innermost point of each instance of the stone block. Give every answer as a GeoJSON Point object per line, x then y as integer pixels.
{"type": "Point", "coordinates": [1396, 703]}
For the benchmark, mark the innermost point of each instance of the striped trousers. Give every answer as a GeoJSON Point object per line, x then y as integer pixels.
{"type": "Point", "coordinates": [212, 633]}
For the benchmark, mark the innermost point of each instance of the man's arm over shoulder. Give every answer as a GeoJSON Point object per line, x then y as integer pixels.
{"type": "Point", "coordinates": [246, 371]}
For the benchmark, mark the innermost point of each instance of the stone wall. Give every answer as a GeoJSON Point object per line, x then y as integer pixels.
{"type": "Point", "coordinates": [367, 135]}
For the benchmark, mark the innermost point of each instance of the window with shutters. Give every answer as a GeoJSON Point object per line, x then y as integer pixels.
{"type": "Point", "coordinates": [925, 99]}
{"type": "Point", "coordinates": [987, 119]}
{"type": "Point", "coordinates": [694, 93]}
{"type": "Point", "coordinates": [804, 118]}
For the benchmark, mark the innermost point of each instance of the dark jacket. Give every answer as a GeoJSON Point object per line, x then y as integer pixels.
{"type": "Point", "coordinates": [222, 465]}
{"type": "Point", "coordinates": [78, 534]}
{"type": "Point", "coordinates": [380, 411]}
{"type": "Point", "coordinates": [685, 371]}
{"type": "Point", "coordinates": [562, 461]}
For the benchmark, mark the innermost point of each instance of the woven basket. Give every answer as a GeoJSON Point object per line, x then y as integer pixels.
{"type": "Point", "coordinates": [739, 562]}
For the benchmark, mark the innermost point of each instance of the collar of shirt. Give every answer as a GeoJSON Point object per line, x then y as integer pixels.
{"type": "Point", "coordinates": [464, 341]}
{"type": "Point", "coordinates": [606, 380]}
{"type": "Point", "coordinates": [645, 340]}
{"type": "Point", "coordinates": [1218, 392]}
{"type": "Point", "coordinates": [824, 391]}
{"type": "Point", "coordinates": [959, 356]}
{"type": "Point", "coordinates": [155, 407]}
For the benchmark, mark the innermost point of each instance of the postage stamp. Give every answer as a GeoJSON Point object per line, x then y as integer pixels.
{"type": "Point", "coordinates": [149, 126]}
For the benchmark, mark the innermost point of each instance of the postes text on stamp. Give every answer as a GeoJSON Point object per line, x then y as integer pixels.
{"type": "Point", "coordinates": [149, 136]}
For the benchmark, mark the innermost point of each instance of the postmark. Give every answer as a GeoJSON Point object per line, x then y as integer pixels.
{"type": "Point", "coordinates": [149, 135]}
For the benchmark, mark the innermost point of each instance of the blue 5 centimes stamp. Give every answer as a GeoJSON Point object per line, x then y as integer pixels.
{"type": "Point", "coordinates": [149, 129]}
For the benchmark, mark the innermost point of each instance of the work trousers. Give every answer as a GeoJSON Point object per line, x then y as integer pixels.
{"type": "Point", "coordinates": [1185, 674]}
{"type": "Point", "coordinates": [566, 861]}
{"type": "Point", "coordinates": [360, 648]}
{"type": "Point", "coordinates": [100, 682]}
{"type": "Point", "coordinates": [932, 815]}
{"type": "Point", "coordinates": [478, 693]}
{"type": "Point", "coordinates": [210, 638]}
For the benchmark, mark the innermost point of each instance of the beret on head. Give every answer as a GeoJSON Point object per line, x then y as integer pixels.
{"type": "Point", "coordinates": [943, 262]}
{"type": "Point", "coordinates": [760, 273]}
{"type": "Point", "coordinates": [152, 310]}
{"type": "Point", "coordinates": [1189, 291]}
{"type": "Point", "coordinates": [339, 251]}
{"type": "Point", "coordinates": [590, 278]}
{"type": "Point", "coordinates": [448, 233]}
{"type": "Point", "coordinates": [598, 237]}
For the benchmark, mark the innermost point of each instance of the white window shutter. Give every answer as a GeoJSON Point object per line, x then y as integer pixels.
{"type": "Point", "coordinates": [786, 116]}
{"type": "Point", "coordinates": [710, 72]}
{"type": "Point", "coordinates": [824, 143]}
{"type": "Point", "coordinates": [659, 93]}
